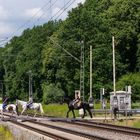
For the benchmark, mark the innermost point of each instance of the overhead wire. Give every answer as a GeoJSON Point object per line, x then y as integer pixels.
{"type": "Point", "coordinates": [62, 10]}
{"type": "Point", "coordinates": [24, 24]}
{"type": "Point", "coordinates": [44, 12]}
{"type": "Point", "coordinates": [64, 7]}
{"type": "Point", "coordinates": [65, 50]}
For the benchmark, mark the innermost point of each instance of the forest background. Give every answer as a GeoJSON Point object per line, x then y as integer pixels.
{"type": "Point", "coordinates": [55, 74]}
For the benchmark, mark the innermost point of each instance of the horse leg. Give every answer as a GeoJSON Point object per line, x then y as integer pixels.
{"type": "Point", "coordinates": [12, 113]}
{"type": "Point", "coordinates": [41, 113]}
{"type": "Point", "coordinates": [23, 111]}
{"type": "Point", "coordinates": [89, 111]}
{"type": "Point", "coordinates": [67, 113]}
{"type": "Point", "coordinates": [16, 111]}
{"type": "Point", "coordinates": [73, 113]}
{"type": "Point", "coordinates": [84, 113]}
{"type": "Point", "coordinates": [1, 112]}
{"type": "Point", "coordinates": [35, 112]}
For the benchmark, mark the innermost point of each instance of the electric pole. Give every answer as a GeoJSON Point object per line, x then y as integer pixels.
{"type": "Point", "coordinates": [114, 77]}
{"type": "Point", "coordinates": [30, 84]}
{"type": "Point", "coordinates": [82, 71]}
{"type": "Point", "coordinates": [90, 71]}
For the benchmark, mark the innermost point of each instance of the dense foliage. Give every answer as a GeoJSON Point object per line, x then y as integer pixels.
{"type": "Point", "coordinates": [131, 79]}
{"type": "Point", "coordinates": [43, 50]}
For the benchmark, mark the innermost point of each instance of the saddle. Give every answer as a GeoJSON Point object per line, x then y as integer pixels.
{"type": "Point", "coordinates": [29, 106]}
{"type": "Point", "coordinates": [77, 105]}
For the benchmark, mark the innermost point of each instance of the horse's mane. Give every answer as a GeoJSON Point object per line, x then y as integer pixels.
{"type": "Point", "coordinates": [67, 100]}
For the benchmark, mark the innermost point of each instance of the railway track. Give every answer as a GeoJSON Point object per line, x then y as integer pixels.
{"type": "Point", "coordinates": [56, 132]}
{"type": "Point", "coordinates": [129, 131]}
{"type": "Point", "coordinates": [104, 126]}
{"type": "Point", "coordinates": [44, 133]}
{"type": "Point", "coordinates": [81, 134]}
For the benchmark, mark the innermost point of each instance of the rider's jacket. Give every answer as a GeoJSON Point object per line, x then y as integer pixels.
{"type": "Point", "coordinates": [30, 101]}
{"type": "Point", "coordinates": [5, 100]}
{"type": "Point", "coordinates": [75, 101]}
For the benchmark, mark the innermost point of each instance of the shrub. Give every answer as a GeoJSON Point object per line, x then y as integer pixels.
{"type": "Point", "coordinates": [52, 94]}
{"type": "Point", "coordinates": [134, 81]}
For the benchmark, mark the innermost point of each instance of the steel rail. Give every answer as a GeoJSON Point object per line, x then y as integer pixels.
{"type": "Point", "coordinates": [81, 134]}
{"type": "Point", "coordinates": [48, 134]}
{"type": "Point", "coordinates": [86, 135]}
{"type": "Point", "coordinates": [105, 126]}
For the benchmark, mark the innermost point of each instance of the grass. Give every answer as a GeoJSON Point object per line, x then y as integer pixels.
{"type": "Point", "coordinates": [137, 124]}
{"type": "Point", "coordinates": [60, 110]}
{"type": "Point", "coordinates": [131, 123]}
{"type": "Point", "coordinates": [57, 110]}
{"type": "Point", "coordinates": [135, 105]}
{"type": "Point", "coordinates": [99, 106]}
{"type": "Point", "coordinates": [5, 134]}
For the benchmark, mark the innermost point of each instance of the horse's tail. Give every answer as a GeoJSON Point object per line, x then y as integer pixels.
{"type": "Point", "coordinates": [91, 105]}
{"type": "Point", "coordinates": [41, 109]}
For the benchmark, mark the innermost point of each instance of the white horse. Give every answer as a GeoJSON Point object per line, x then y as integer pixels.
{"type": "Point", "coordinates": [9, 108]}
{"type": "Point", "coordinates": [35, 106]}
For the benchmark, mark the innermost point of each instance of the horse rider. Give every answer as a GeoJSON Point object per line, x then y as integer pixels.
{"type": "Point", "coordinates": [5, 101]}
{"type": "Point", "coordinates": [30, 102]}
{"type": "Point", "coordinates": [77, 100]}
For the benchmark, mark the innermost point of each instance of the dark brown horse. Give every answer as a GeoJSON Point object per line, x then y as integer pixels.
{"type": "Point", "coordinates": [84, 105]}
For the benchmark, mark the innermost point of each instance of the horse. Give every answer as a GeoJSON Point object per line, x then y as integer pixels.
{"type": "Point", "coordinates": [83, 105]}
{"type": "Point", "coordinates": [35, 106]}
{"type": "Point", "coordinates": [9, 108]}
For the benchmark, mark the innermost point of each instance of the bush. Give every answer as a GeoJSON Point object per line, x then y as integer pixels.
{"type": "Point", "coordinates": [52, 94]}
{"type": "Point", "coordinates": [134, 81]}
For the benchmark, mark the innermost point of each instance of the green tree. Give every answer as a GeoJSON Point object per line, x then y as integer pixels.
{"type": "Point", "coordinates": [133, 80]}
{"type": "Point", "coordinates": [52, 94]}
{"type": "Point", "coordinates": [22, 54]}
{"type": "Point", "coordinates": [94, 22]}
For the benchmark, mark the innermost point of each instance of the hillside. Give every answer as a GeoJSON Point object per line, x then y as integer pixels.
{"type": "Point", "coordinates": [94, 22]}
